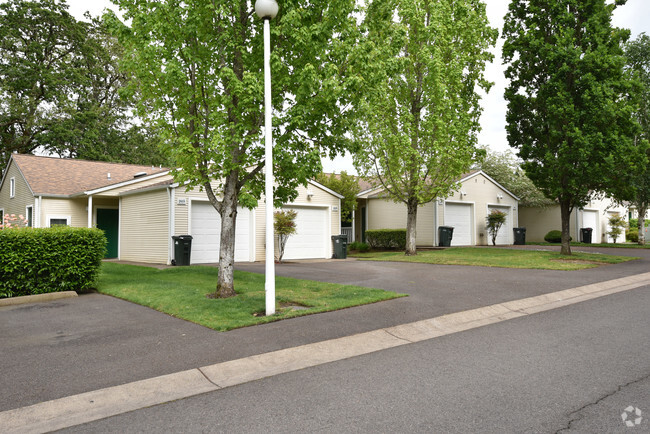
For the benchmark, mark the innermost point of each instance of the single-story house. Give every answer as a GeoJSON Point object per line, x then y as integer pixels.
{"type": "Point", "coordinates": [466, 211]}
{"type": "Point", "coordinates": [140, 208]}
{"type": "Point", "coordinates": [595, 215]}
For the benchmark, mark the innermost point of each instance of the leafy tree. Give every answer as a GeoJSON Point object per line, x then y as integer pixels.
{"type": "Point", "coordinates": [40, 46]}
{"type": "Point", "coordinates": [569, 105]}
{"type": "Point", "coordinates": [493, 223]}
{"type": "Point", "coordinates": [638, 61]}
{"type": "Point", "coordinates": [616, 225]}
{"type": "Point", "coordinates": [284, 226]}
{"type": "Point", "coordinates": [421, 116]}
{"type": "Point", "coordinates": [346, 185]}
{"type": "Point", "coordinates": [61, 89]}
{"type": "Point", "coordinates": [199, 67]}
{"type": "Point", "coordinates": [504, 168]}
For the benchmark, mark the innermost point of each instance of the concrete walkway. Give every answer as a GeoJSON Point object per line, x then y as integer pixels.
{"type": "Point", "coordinates": [86, 407]}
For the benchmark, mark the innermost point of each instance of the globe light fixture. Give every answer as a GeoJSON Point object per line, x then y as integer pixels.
{"type": "Point", "coordinates": [267, 10]}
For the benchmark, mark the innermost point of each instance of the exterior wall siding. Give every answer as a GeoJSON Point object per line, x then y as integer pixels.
{"type": "Point", "coordinates": [23, 196]}
{"type": "Point", "coordinates": [386, 214]}
{"type": "Point", "coordinates": [73, 208]}
{"type": "Point", "coordinates": [144, 227]}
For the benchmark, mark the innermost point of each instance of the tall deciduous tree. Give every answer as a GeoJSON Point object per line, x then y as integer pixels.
{"type": "Point", "coordinates": [199, 66]}
{"type": "Point", "coordinates": [504, 168]}
{"type": "Point", "coordinates": [421, 117]}
{"type": "Point", "coordinates": [346, 185]}
{"type": "Point", "coordinates": [61, 90]}
{"type": "Point", "coordinates": [638, 61]}
{"type": "Point", "coordinates": [40, 52]}
{"type": "Point", "coordinates": [569, 107]}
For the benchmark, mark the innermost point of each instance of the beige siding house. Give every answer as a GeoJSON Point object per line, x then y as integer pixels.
{"type": "Point", "coordinates": [595, 215]}
{"type": "Point", "coordinates": [141, 208]}
{"type": "Point", "coordinates": [465, 211]}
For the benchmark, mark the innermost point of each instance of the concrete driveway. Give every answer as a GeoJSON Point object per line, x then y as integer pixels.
{"type": "Point", "coordinates": [65, 347]}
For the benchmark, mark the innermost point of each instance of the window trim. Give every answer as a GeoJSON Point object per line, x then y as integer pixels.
{"type": "Point", "coordinates": [30, 221]}
{"type": "Point", "coordinates": [49, 218]}
{"type": "Point", "coordinates": [12, 187]}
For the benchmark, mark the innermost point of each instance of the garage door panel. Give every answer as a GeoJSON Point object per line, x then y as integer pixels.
{"type": "Point", "coordinates": [505, 234]}
{"type": "Point", "coordinates": [310, 239]}
{"type": "Point", "coordinates": [459, 216]}
{"type": "Point", "coordinates": [206, 231]}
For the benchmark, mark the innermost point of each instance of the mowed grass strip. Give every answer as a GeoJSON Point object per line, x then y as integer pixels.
{"type": "Point", "coordinates": [499, 257]}
{"type": "Point", "coordinates": [181, 292]}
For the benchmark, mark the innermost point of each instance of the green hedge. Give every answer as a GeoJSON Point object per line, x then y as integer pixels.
{"type": "Point", "coordinates": [554, 237]}
{"type": "Point", "coordinates": [386, 238]}
{"type": "Point", "coordinates": [35, 261]}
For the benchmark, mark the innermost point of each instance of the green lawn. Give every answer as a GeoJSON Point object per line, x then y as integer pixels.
{"type": "Point", "coordinates": [498, 257]}
{"type": "Point", "coordinates": [181, 292]}
{"type": "Point", "coordinates": [576, 244]}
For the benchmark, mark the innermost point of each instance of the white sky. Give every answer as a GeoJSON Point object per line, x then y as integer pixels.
{"type": "Point", "coordinates": [635, 15]}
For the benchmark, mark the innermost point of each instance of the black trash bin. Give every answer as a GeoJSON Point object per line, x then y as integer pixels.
{"type": "Point", "coordinates": [445, 234]}
{"type": "Point", "coordinates": [585, 235]}
{"type": "Point", "coordinates": [340, 246]}
{"type": "Point", "coordinates": [520, 236]}
{"type": "Point", "coordinates": [182, 249]}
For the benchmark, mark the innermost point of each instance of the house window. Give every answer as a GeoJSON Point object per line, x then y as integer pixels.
{"type": "Point", "coordinates": [57, 220]}
{"type": "Point", "coordinates": [29, 212]}
{"type": "Point", "coordinates": [12, 187]}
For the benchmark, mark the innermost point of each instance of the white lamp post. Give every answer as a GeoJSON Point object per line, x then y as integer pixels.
{"type": "Point", "coordinates": [267, 10]}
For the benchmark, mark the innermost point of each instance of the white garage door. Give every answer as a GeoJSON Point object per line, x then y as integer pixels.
{"type": "Point", "coordinates": [505, 235]}
{"type": "Point", "coordinates": [206, 231]}
{"type": "Point", "coordinates": [459, 216]}
{"type": "Point", "coordinates": [312, 234]}
{"type": "Point", "coordinates": [590, 220]}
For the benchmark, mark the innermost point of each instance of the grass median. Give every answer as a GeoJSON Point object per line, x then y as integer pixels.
{"type": "Point", "coordinates": [181, 292]}
{"type": "Point", "coordinates": [499, 257]}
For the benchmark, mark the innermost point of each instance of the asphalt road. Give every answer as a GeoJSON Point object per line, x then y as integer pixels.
{"type": "Point", "coordinates": [573, 369]}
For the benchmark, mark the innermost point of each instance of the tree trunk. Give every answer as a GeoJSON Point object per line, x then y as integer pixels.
{"type": "Point", "coordinates": [642, 211]}
{"type": "Point", "coordinates": [411, 219]}
{"type": "Point", "coordinates": [226, 279]}
{"type": "Point", "coordinates": [565, 212]}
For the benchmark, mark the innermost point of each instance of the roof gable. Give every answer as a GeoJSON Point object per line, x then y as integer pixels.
{"type": "Point", "coordinates": [66, 176]}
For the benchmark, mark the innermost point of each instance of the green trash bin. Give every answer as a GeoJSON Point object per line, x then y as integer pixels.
{"type": "Point", "coordinates": [340, 246]}
{"type": "Point", "coordinates": [182, 249]}
{"type": "Point", "coordinates": [445, 234]}
{"type": "Point", "coordinates": [520, 236]}
{"type": "Point", "coordinates": [585, 235]}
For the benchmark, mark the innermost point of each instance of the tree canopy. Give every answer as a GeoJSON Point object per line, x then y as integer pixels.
{"type": "Point", "coordinates": [199, 68]}
{"type": "Point", "coordinates": [346, 185]}
{"type": "Point", "coordinates": [638, 64]}
{"type": "Point", "coordinates": [420, 117]}
{"type": "Point", "coordinates": [569, 101]}
{"type": "Point", "coordinates": [505, 169]}
{"type": "Point", "coordinates": [60, 88]}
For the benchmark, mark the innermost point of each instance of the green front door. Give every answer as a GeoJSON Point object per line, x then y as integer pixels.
{"type": "Point", "coordinates": [108, 221]}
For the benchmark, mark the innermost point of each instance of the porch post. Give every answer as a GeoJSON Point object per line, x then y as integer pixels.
{"type": "Point", "coordinates": [90, 211]}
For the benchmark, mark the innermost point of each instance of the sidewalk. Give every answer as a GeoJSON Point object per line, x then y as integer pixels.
{"type": "Point", "coordinates": [98, 404]}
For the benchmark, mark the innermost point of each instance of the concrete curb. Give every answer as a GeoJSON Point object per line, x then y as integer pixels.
{"type": "Point", "coordinates": [87, 407]}
{"type": "Point", "coordinates": [38, 298]}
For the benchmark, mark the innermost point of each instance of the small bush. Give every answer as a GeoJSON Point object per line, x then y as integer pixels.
{"type": "Point", "coordinates": [554, 237]}
{"type": "Point", "coordinates": [386, 238]}
{"type": "Point", "coordinates": [359, 246]}
{"type": "Point", "coordinates": [632, 235]}
{"type": "Point", "coordinates": [36, 261]}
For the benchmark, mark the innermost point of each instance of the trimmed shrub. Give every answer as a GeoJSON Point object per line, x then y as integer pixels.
{"type": "Point", "coordinates": [36, 261]}
{"type": "Point", "coordinates": [632, 235]}
{"type": "Point", "coordinates": [554, 237]}
{"type": "Point", "coordinates": [386, 238]}
{"type": "Point", "coordinates": [359, 246]}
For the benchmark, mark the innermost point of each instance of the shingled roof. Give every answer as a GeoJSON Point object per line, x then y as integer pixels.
{"type": "Point", "coordinates": [67, 176]}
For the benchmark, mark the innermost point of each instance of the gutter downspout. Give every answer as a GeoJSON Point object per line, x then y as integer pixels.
{"type": "Point", "coordinates": [172, 218]}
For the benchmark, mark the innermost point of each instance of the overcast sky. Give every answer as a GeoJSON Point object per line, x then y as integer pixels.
{"type": "Point", "coordinates": [634, 15]}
